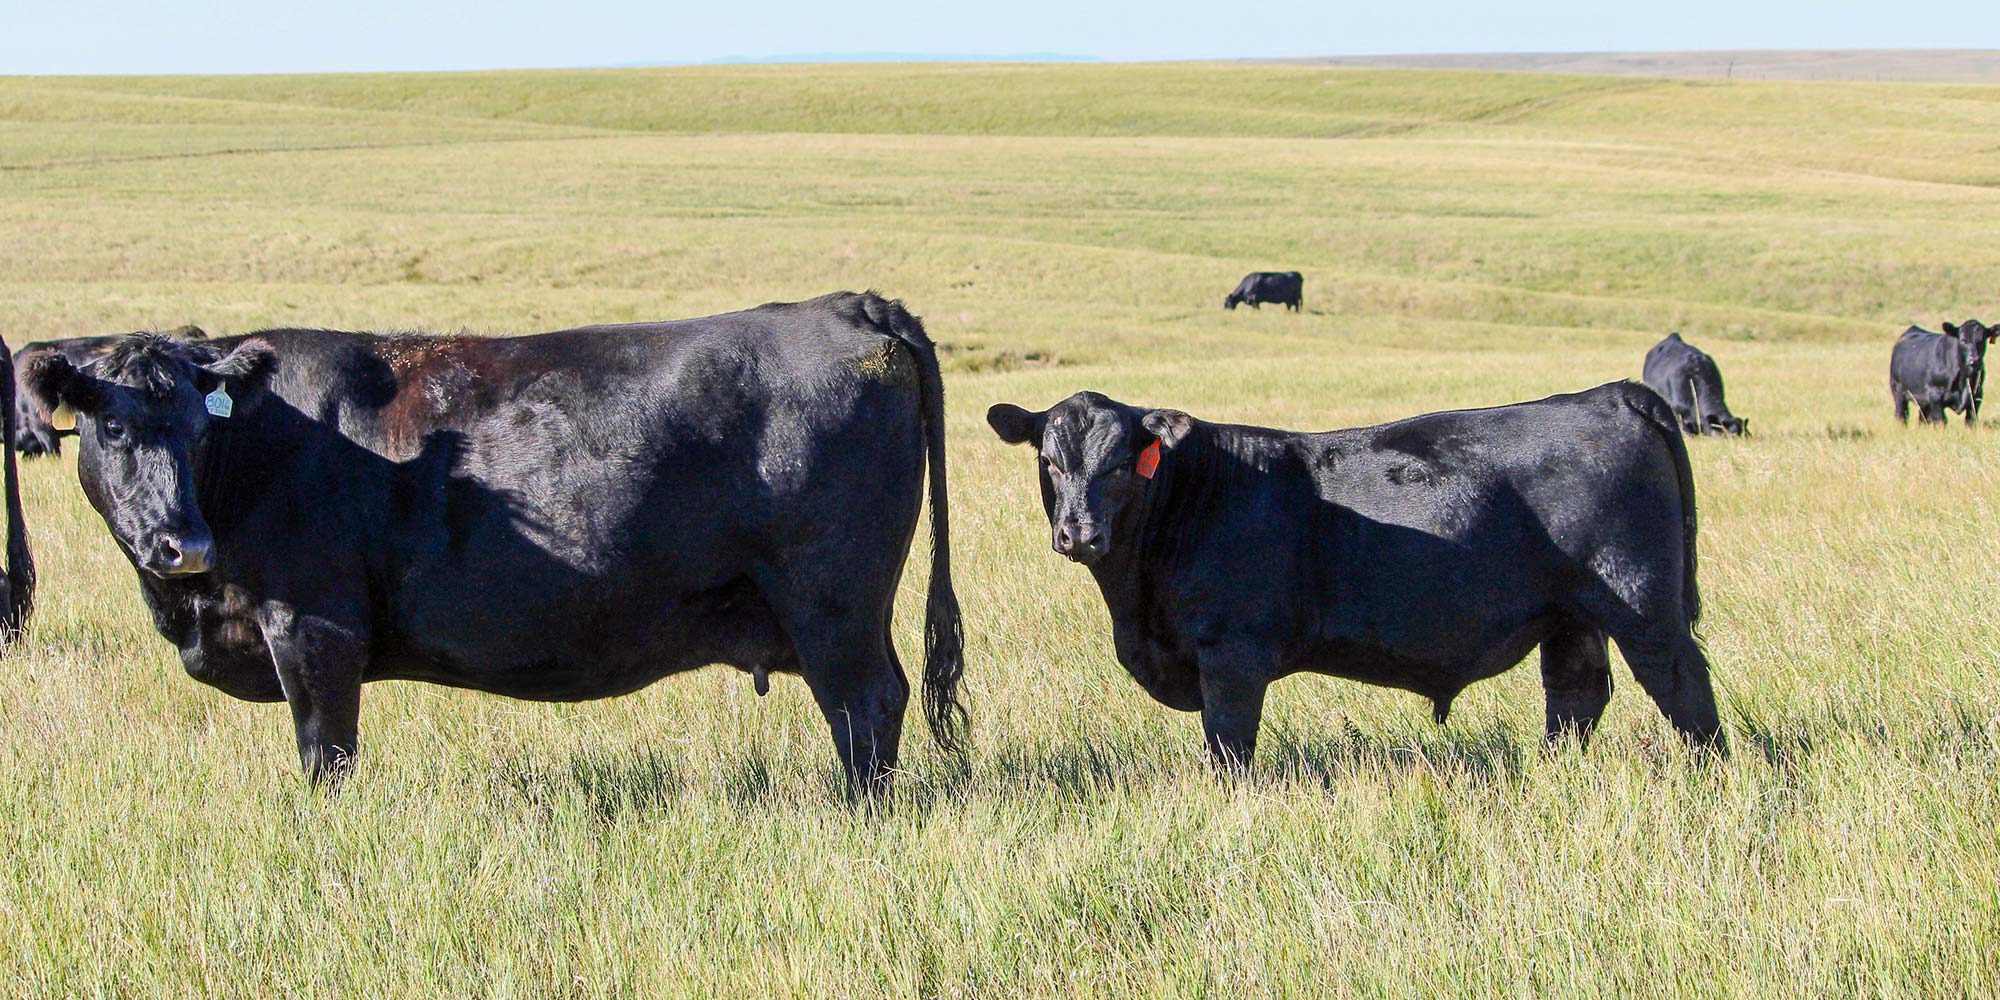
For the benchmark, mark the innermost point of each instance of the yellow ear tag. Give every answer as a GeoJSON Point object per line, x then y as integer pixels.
{"type": "Point", "coordinates": [219, 403]}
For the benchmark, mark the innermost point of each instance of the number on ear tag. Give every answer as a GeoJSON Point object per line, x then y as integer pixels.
{"type": "Point", "coordinates": [219, 403]}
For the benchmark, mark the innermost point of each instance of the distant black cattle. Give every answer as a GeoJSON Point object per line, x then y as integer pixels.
{"type": "Point", "coordinates": [35, 432]}
{"type": "Point", "coordinates": [1940, 372]}
{"type": "Point", "coordinates": [1286, 288]}
{"type": "Point", "coordinates": [558, 517]}
{"type": "Point", "coordinates": [1690, 383]}
{"type": "Point", "coordinates": [1425, 554]}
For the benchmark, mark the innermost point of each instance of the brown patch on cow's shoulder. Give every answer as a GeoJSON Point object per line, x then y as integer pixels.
{"type": "Point", "coordinates": [437, 377]}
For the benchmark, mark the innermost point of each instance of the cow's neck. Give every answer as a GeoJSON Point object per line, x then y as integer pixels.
{"type": "Point", "coordinates": [1160, 527]}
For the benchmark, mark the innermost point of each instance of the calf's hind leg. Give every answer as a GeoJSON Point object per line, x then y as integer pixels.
{"type": "Point", "coordinates": [1576, 676]}
{"type": "Point", "coordinates": [844, 653]}
{"type": "Point", "coordinates": [1672, 668]}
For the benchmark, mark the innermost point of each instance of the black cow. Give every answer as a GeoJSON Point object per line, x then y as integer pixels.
{"type": "Point", "coordinates": [1286, 288]}
{"type": "Point", "coordinates": [1940, 372]}
{"type": "Point", "coordinates": [1686, 377]}
{"type": "Point", "coordinates": [1424, 554]}
{"type": "Point", "coordinates": [17, 585]}
{"type": "Point", "coordinates": [35, 432]}
{"type": "Point", "coordinates": [559, 517]}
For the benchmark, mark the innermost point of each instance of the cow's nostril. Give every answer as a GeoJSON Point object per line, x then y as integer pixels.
{"type": "Point", "coordinates": [171, 554]}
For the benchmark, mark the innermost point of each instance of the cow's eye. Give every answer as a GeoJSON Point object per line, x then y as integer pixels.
{"type": "Point", "coordinates": [114, 428]}
{"type": "Point", "coordinates": [1053, 471]}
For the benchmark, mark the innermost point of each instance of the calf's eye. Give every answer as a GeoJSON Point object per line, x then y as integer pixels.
{"type": "Point", "coordinates": [114, 428]}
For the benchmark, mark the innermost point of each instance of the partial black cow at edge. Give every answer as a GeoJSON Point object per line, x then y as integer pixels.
{"type": "Point", "coordinates": [1940, 372]}
{"type": "Point", "coordinates": [1424, 554]}
{"type": "Point", "coordinates": [35, 433]}
{"type": "Point", "coordinates": [558, 517]}
{"type": "Point", "coordinates": [17, 584]}
{"type": "Point", "coordinates": [1688, 379]}
{"type": "Point", "coordinates": [1285, 288]}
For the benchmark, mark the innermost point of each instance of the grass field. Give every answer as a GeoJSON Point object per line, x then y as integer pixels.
{"type": "Point", "coordinates": [1467, 240]}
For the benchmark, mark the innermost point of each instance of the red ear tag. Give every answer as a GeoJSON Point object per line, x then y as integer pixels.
{"type": "Point", "coordinates": [1149, 460]}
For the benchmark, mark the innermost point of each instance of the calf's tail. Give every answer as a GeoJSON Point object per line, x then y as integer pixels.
{"type": "Point", "coordinates": [1664, 422]}
{"type": "Point", "coordinates": [19, 599]}
{"type": "Point", "coordinates": [944, 631]}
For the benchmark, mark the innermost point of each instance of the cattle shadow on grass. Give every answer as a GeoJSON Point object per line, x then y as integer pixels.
{"type": "Point", "coordinates": [1487, 755]}
{"type": "Point", "coordinates": [607, 784]}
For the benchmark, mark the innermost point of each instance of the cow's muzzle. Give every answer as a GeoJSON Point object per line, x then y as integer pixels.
{"type": "Point", "coordinates": [1083, 543]}
{"type": "Point", "coordinates": [184, 554]}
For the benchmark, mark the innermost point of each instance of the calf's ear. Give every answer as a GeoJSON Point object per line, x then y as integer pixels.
{"type": "Point", "coordinates": [243, 371]}
{"type": "Point", "coordinates": [52, 382]}
{"type": "Point", "coordinates": [1170, 426]}
{"type": "Point", "coordinates": [1016, 425]}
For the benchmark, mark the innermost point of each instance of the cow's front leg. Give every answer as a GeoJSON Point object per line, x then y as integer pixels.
{"type": "Point", "coordinates": [1233, 678]}
{"type": "Point", "coordinates": [320, 663]}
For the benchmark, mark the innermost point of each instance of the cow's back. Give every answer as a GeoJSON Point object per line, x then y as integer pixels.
{"type": "Point", "coordinates": [612, 490]}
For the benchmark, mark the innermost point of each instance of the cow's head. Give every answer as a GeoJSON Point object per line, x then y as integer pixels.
{"type": "Point", "coordinates": [1975, 335]}
{"type": "Point", "coordinates": [1095, 457]}
{"type": "Point", "coordinates": [1232, 300]}
{"type": "Point", "coordinates": [142, 412]}
{"type": "Point", "coordinates": [1730, 425]}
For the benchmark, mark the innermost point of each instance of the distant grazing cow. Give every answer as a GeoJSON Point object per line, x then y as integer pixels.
{"type": "Point", "coordinates": [1424, 554]}
{"type": "Point", "coordinates": [1940, 372]}
{"type": "Point", "coordinates": [1690, 383]}
{"type": "Point", "coordinates": [559, 517]}
{"type": "Point", "coordinates": [17, 584]}
{"type": "Point", "coordinates": [1286, 288]}
{"type": "Point", "coordinates": [35, 432]}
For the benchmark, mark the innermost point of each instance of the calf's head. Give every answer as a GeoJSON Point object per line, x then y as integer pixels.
{"type": "Point", "coordinates": [1095, 457]}
{"type": "Point", "coordinates": [143, 411]}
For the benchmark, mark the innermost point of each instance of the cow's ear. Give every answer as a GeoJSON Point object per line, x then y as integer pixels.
{"type": "Point", "coordinates": [52, 382]}
{"type": "Point", "coordinates": [243, 371]}
{"type": "Point", "coordinates": [1169, 426]}
{"type": "Point", "coordinates": [1016, 425]}
{"type": "Point", "coordinates": [1950, 329]}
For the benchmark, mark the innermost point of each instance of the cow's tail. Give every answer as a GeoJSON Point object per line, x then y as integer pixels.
{"type": "Point", "coordinates": [20, 578]}
{"type": "Point", "coordinates": [944, 631]}
{"type": "Point", "coordinates": [1661, 416]}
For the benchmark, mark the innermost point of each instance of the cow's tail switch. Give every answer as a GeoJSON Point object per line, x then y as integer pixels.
{"type": "Point", "coordinates": [944, 632]}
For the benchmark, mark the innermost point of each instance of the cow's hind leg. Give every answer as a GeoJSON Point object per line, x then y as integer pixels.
{"type": "Point", "coordinates": [1670, 665]}
{"type": "Point", "coordinates": [841, 638]}
{"type": "Point", "coordinates": [1646, 615]}
{"type": "Point", "coordinates": [1576, 675]}
{"type": "Point", "coordinates": [1902, 402]}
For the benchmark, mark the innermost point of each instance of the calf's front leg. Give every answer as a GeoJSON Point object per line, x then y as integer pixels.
{"type": "Point", "coordinates": [1234, 677]}
{"type": "Point", "coordinates": [320, 664]}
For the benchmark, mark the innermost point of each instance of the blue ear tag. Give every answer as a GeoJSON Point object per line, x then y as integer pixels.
{"type": "Point", "coordinates": [219, 403]}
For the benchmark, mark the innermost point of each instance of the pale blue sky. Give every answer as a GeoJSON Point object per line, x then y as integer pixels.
{"type": "Point", "coordinates": [236, 36]}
